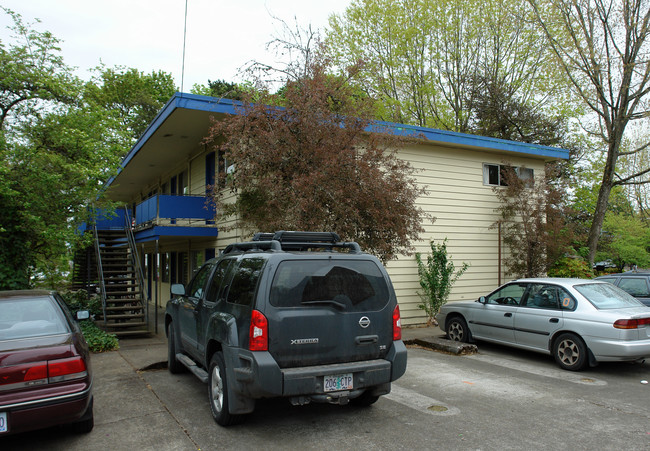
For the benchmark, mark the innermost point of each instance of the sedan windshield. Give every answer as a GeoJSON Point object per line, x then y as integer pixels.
{"type": "Point", "coordinates": [606, 296]}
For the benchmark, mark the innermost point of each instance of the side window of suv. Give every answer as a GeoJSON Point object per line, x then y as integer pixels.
{"type": "Point", "coordinates": [244, 283]}
{"type": "Point", "coordinates": [215, 290]}
{"type": "Point", "coordinates": [636, 286]}
{"type": "Point", "coordinates": [195, 290]}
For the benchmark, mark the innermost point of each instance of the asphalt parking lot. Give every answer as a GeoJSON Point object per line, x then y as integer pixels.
{"type": "Point", "coordinates": [495, 399]}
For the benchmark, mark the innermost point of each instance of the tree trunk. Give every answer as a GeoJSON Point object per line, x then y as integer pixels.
{"type": "Point", "coordinates": [603, 194]}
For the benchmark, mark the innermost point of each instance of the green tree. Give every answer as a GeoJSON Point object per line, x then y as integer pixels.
{"type": "Point", "coordinates": [311, 165]}
{"type": "Point", "coordinates": [437, 277]}
{"type": "Point", "coordinates": [533, 221]}
{"type": "Point", "coordinates": [133, 97]}
{"type": "Point", "coordinates": [33, 74]}
{"type": "Point", "coordinates": [602, 46]}
{"type": "Point", "coordinates": [222, 88]}
{"type": "Point", "coordinates": [423, 57]}
{"type": "Point", "coordinates": [56, 151]}
{"type": "Point", "coordinates": [626, 241]}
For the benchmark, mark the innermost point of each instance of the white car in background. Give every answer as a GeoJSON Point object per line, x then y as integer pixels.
{"type": "Point", "coordinates": [579, 322]}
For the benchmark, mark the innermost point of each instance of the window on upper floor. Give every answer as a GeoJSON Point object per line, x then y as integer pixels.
{"type": "Point", "coordinates": [493, 174]}
{"type": "Point", "coordinates": [226, 167]}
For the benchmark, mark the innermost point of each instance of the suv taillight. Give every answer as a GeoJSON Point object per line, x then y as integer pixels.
{"type": "Point", "coordinates": [397, 324]}
{"type": "Point", "coordinates": [259, 332]}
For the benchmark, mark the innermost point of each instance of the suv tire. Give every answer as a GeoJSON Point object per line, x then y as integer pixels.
{"type": "Point", "coordinates": [218, 392]}
{"type": "Point", "coordinates": [366, 399]}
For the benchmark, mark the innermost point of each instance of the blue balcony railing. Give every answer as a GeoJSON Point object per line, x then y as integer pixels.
{"type": "Point", "coordinates": [169, 209]}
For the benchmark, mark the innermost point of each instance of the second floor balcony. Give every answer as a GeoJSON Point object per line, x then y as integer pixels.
{"type": "Point", "coordinates": [165, 215]}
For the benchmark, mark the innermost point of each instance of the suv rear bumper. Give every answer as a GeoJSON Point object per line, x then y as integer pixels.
{"type": "Point", "coordinates": [257, 375]}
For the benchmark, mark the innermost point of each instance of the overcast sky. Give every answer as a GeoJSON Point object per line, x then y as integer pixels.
{"type": "Point", "coordinates": [148, 34]}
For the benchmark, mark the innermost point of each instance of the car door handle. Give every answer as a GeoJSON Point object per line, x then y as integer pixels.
{"type": "Point", "coordinates": [554, 320]}
{"type": "Point", "coordinates": [507, 315]}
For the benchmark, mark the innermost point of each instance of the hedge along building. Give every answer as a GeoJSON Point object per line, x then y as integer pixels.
{"type": "Point", "coordinates": [165, 179]}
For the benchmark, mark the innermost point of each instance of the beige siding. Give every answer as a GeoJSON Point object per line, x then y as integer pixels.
{"type": "Point", "coordinates": [197, 175]}
{"type": "Point", "coordinates": [464, 210]}
{"type": "Point", "coordinates": [462, 205]}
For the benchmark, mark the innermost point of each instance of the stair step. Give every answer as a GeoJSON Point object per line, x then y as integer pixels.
{"type": "Point", "coordinates": [125, 301]}
{"type": "Point", "coordinates": [131, 294]}
{"type": "Point", "coordinates": [124, 316]}
{"type": "Point", "coordinates": [124, 308]}
{"type": "Point", "coordinates": [126, 324]}
{"type": "Point", "coordinates": [126, 333]}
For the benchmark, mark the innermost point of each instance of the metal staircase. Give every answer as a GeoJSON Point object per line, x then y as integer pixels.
{"type": "Point", "coordinates": [121, 285]}
{"type": "Point", "coordinates": [112, 269]}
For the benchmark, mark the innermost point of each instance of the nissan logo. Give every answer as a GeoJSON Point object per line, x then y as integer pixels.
{"type": "Point", "coordinates": [364, 322]}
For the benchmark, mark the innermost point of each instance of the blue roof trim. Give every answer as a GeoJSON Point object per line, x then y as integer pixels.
{"type": "Point", "coordinates": [465, 139]}
{"type": "Point", "coordinates": [227, 106]}
{"type": "Point", "coordinates": [179, 100]}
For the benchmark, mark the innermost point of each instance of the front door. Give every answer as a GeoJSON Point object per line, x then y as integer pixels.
{"type": "Point", "coordinates": [188, 311]}
{"type": "Point", "coordinates": [495, 321]}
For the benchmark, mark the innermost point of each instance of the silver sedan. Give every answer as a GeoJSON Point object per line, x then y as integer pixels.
{"type": "Point", "coordinates": [580, 322]}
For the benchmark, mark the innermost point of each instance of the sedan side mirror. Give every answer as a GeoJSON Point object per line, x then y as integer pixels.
{"type": "Point", "coordinates": [178, 289]}
{"type": "Point", "coordinates": [481, 300]}
{"type": "Point", "coordinates": [82, 314]}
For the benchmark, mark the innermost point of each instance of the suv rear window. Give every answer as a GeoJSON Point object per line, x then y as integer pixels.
{"type": "Point", "coordinates": [350, 285]}
{"type": "Point", "coordinates": [244, 284]}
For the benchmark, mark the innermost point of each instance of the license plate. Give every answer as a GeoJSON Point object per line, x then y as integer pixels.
{"type": "Point", "coordinates": [338, 382]}
{"type": "Point", "coordinates": [3, 422]}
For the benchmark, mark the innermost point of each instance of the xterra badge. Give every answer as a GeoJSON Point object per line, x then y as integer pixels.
{"type": "Point", "coordinates": [304, 341]}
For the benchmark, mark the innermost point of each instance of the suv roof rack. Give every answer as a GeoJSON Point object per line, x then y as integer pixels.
{"type": "Point", "coordinates": [293, 241]}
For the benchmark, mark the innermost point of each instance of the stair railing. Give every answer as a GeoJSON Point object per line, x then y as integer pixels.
{"type": "Point", "coordinates": [135, 258]}
{"type": "Point", "coordinates": [100, 271]}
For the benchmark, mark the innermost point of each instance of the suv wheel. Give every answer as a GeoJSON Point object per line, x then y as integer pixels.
{"type": "Point", "coordinates": [218, 392]}
{"type": "Point", "coordinates": [173, 365]}
{"type": "Point", "coordinates": [366, 399]}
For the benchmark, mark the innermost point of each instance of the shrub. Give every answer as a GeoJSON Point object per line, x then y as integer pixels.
{"type": "Point", "coordinates": [571, 267]}
{"type": "Point", "coordinates": [436, 278]}
{"type": "Point", "coordinates": [97, 339]}
{"type": "Point", "coordinates": [81, 300]}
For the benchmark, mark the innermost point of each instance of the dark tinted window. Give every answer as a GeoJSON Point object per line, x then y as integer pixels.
{"type": "Point", "coordinates": [195, 290]}
{"type": "Point", "coordinates": [636, 286]}
{"type": "Point", "coordinates": [215, 292]}
{"type": "Point", "coordinates": [244, 283]}
{"type": "Point", "coordinates": [346, 285]}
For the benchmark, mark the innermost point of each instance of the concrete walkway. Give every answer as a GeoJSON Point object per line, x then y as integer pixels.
{"type": "Point", "coordinates": [129, 415]}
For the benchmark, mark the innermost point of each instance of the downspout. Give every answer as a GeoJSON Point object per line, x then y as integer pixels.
{"type": "Point", "coordinates": [157, 277]}
{"type": "Point", "coordinates": [499, 256]}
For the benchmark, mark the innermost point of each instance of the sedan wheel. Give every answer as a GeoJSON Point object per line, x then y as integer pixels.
{"type": "Point", "coordinates": [570, 352]}
{"type": "Point", "coordinates": [457, 330]}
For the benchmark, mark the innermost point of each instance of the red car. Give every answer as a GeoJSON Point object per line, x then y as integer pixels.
{"type": "Point", "coordinates": [45, 375]}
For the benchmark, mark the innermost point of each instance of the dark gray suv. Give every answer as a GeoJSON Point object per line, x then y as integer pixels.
{"type": "Point", "coordinates": [636, 283]}
{"type": "Point", "coordinates": [299, 315]}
